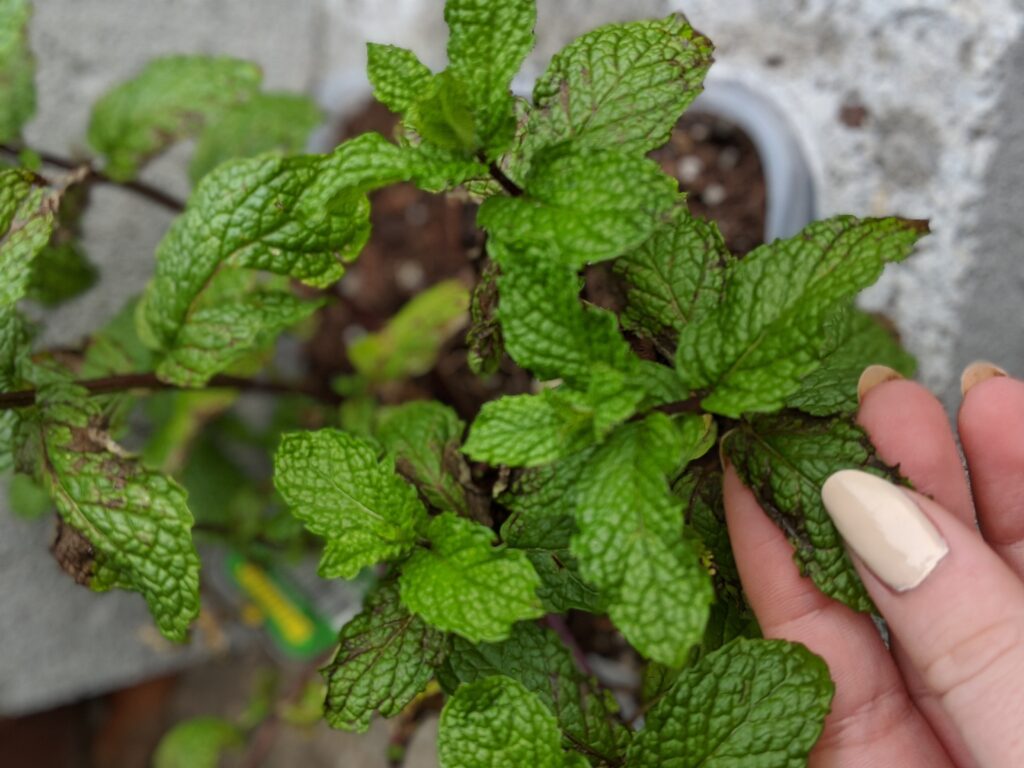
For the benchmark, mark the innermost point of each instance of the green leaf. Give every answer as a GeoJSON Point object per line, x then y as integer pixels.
{"type": "Point", "coordinates": [171, 99]}
{"type": "Point", "coordinates": [622, 85]}
{"type": "Point", "coordinates": [832, 388]}
{"type": "Point", "coordinates": [785, 459]}
{"type": "Point", "coordinates": [754, 702]}
{"type": "Point", "coordinates": [26, 499]}
{"type": "Point", "coordinates": [583, 204]}
{"type": "Point", "coordinates": [631, 545]}
{"type": "Point", "coordinates": [385, 658]}
{"type": "Point", "coordinates": [464, 584]}
{"type": "Point", "coordinates": [217, 336]}
{"type": "Point", "coordinates": [134, 523]}
{"type": "Point", "coordinates": [14, 348]}
{"type": "Point", "coordinates": [535, 657]}
{"type": "Point", "coordinates": [768, 332]}
{"type": "Point", "coordinates": [59, 273]}
{"type": "Point", "coordinates": [424, 436]}
{"type": "Point", "coordinates": [411, 341]}
{"type": "Point", "coordinates": [197, 743]}
{"type": "Point", "coordinates": [530, 430]}
{"type": "Point", "coordinates": [281, 121]}
{"type": "Point", "coordinates": [487, 42]}
{"type": "Point", "coordinates": [397, 76]}
{"type": "Point", "coordinates": [484, 339]}
{"type": "Point", "coordinates": [547, 329]}
{"type": "Point", "coordinates": [675, 277]}
{"type": "Point", "coordinates": [334, 483]}
{"type": "Point", "coordinates": [496, 722]}
{"type": "Point", "coordinates": [17, 69]}
{"type": "Point", "coordinates": [27, 218]}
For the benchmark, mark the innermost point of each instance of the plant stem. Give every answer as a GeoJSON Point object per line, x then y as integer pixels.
{"type": "Point", "coordinates": [140, 188]}
{"type": "Point", "coordinates": [128, 381]}
{"type": "Point", "coordinates": [499, 176]}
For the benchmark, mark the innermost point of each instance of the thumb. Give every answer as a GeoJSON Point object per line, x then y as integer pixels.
{"type": "Point", "coordinates": [953, 604]}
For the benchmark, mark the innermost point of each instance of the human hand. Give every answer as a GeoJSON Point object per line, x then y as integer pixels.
{"type": "Point", "coordinates": [951, 690]}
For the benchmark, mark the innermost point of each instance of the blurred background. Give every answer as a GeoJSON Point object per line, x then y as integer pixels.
{"type": "Point", "coordinates": [814, 107]}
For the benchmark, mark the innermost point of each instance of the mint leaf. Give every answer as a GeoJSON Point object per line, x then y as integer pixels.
{"type": "Point", "coordinates": [398, 77]}
{"type": "Point", "coordinates": [583, 204]}
{"type": "Point", "coordinates": [411, 341]}
{"type": "Point", "coordinates": [832, 388]}
{"type": "Point", "coordinates": [622, 85]}
{"type": "Point", "coordinates": [171, 99]}
{"type": "Point", "coordinates": [17, 69]}
{"type": "Point", "coordinates": [27, 218]}
{"type": "Point", "coordinates": [217, 336]}
{"type": "Point", "coordinates": [135, 522]}
{"type": "Point", "coordinates": [541, 525]}
{"type": "Point", "coordinates": [464, 584]}
{"type": "Point", "coordinates": [631, 545]}
{"type": "Point", "coordinates": [784, 460]}
{"type": "Point", "coordinates": [535, 657]}
{"type": "Point", "coordinates": [424, 436]}
{"type": "Point", "coordinates": [754, 702]}
{"type": "Point", "coordinates": [530, 430]}
{"type": "Point", "coordinates": [385, 658]}
{"type": "Point", "coordinates": [281, 121]}
{"type": "Point", "coordinates": [334, 483]}
{"type": "Point", "coordinates": [496, 722]}
{"type": "Point", "coordinates": [547, 329]}
{"type": "Point", "coordinates": [487, 42]}
{"type": "Point", "coordinates": [197, 743]}
{"type": "Point", "coordinates": [14, 348]}
{"type": "Point", "coordinates": [675, 277]}
{"type": "Point", "coordinates": [766, 335]}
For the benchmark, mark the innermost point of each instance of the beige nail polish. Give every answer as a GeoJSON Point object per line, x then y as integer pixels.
{"type": "Point", "coordinates": [884, 527]}
{"type": "Point", "coordinates": [874, 375]}
{"type": "Point", "coordinates": [977, 372]}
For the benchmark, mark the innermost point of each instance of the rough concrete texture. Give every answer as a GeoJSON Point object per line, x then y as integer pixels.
{"type": "Point", "coordinates": [934, 116]}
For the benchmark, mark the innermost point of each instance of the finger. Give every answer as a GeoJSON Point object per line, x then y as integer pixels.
{"type": "Point", "coordinates": [909, 428]}
{"type": "Point", "coordinates": [991, 423]}
{"type": "Point", "coordinates": [872, 722]}
{"type": "Point", "coordinates": [954, 605]}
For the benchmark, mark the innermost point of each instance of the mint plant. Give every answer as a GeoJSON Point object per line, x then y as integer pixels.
{"type": "Point", "coordinates": [597, 492]}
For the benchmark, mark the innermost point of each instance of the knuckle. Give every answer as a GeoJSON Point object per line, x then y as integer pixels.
{"type": "Point", "coordinates": [972, 660]}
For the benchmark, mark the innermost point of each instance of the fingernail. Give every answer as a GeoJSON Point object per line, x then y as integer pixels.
{"type": "Point", "coordinates": [977, 372]}
{"type": "Point", "coordinates": [884, 527]}
{"type": "Point", "coordinates": [872, 376]}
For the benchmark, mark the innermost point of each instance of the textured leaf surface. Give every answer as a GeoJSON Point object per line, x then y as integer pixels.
{"type": "Point", "coordinates": [622, 85]}
{"type": "Point", "coordinates": [832, 388]}
{"type": "Point", "coordinates": [398, 77]}
{"type": "Point", "coordinates": [487, 42]}
{"type": "Point", "coordinates": [385, 657]}
{"type": "Point", "coordinates": [281, 121]}
{"type": "Point", "coordinates": [196, 743]}
{"type": "Point", "coordinates": [217, 336]}
{"type": "Point", "coordinates": [584, 204]}
{"type": "Point", "coordinates": [464, 584]}
{"type": "Point", "coordinates": [17, 69]}
{"type": "Point", "coordinates": [171, 99]}
{"type": "Point", "coordinates": [27, 217]}
{"type": "Point", "coordinates": [631, 545]}
{"type": "Point", "coordinates": [135, 521]}
{"type": "Point", "coordinates": [546, 328]}
{"type": "Point", "coordinates": [335, 484]}
{"type": "Point", "coordinates": [785, 460]}
{"type": "Point", "coordinates": [411, 341]}
{"type": "Point", "coordinates": [535, 657]}
{"type": "Point", "coordinates": [754, 702]}
{"type": "Point", "coordinates": [14, 346]}
{"type": "Point", "coordinates": [675, 277]}
{"type": "Point", "coordinates": [496, 723]}
{"type": "Point", "coordinates": [425, 435]}
{"type": "Point", "coordinates": [768, 332]}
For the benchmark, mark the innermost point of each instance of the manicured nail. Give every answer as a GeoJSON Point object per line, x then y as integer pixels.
{"type": "Point", "coordinates": [977, 372]}
{"type": "Point", "coordinates": [872, 376]}
{"type": "Point", "coordinates": [884, 527]}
